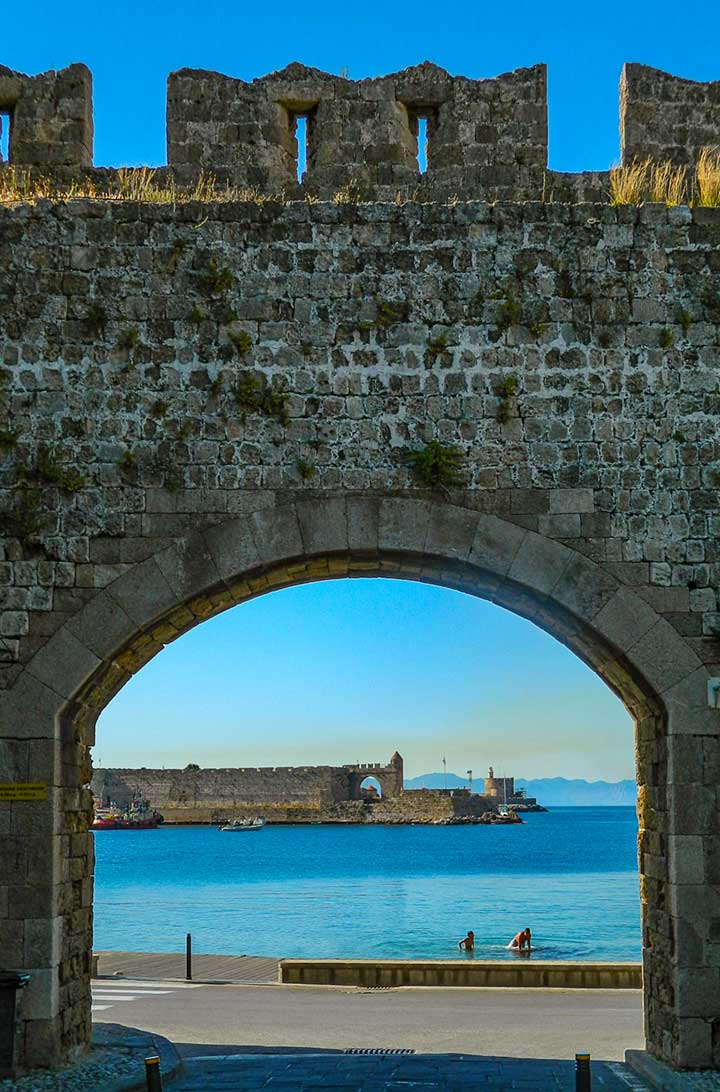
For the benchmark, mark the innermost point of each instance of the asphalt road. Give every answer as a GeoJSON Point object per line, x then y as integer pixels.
{"type": "Point", "coordinates": [512, 1022]}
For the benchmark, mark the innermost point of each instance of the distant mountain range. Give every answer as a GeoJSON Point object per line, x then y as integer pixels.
{"type": "Point", "coordinates": [550, 791]}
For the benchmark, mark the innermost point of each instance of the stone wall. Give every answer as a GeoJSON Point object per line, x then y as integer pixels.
{"type": "Point", "coordinates": [160, 363]}
{"type": "Point", "coordinates": [664, 117]}
{"type": "Point", "coordinates": [203, 403]}
{"type": "Point", "coordinates": [51, 125]}
{"type": "Point", "coordinates": [485, 137]}
{"type": "Point", "coordinates": [180, 792]}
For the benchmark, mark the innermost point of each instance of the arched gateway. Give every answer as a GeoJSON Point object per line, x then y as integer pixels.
{"type": "Point", "coordinates": [202, 401]}
{"type": "Point", "coordinates": [50, 712]}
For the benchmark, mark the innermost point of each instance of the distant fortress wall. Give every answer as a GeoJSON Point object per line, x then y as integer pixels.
{"type": "Point", "coordinates": [200, 795]}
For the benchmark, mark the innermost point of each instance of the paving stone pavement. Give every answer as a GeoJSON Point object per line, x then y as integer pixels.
{"type": "Point", "coordinates": [331, 1072]}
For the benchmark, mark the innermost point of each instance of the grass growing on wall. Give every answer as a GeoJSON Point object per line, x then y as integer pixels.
{"type": "Point", "coordinates": [645, 181]}
{"type": "Point", "coordinates": [128, 184]}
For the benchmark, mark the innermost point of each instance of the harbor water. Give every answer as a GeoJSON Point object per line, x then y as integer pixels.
{"type": "Point", "coordinates": [406, 892]}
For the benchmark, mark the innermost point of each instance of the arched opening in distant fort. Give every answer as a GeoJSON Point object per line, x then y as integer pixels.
{"type": "Point", "coordinates": [370, 789]}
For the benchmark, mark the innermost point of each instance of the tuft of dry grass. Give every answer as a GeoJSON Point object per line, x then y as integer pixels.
{"type": "Point", "coordinates": [127, 184]}
{"type": "Point", "coordinates": [708, 177]}
{"type": "Point", "coordinates": [646, 181]}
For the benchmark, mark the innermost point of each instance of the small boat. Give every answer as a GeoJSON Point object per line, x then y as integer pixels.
{"type": "Point", "coordinates": [244, 824]}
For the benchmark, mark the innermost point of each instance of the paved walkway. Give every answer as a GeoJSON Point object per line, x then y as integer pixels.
{"type": "Point", "coordinates": [254, 970]}
{"type": "Point", "coordinates": [424, 1072]}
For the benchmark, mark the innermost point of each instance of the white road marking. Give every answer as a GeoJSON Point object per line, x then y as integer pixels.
{"type": "Point", "coordinates": [112, 991]}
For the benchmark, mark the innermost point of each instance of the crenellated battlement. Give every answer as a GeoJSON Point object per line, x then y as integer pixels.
{"type": "Point", "coordinates": [485, 139]}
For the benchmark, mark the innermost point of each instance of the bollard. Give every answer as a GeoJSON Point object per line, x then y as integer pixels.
{"type": "Point", "coordinates": [153, 1076]}
{"type": "Point", "coordinates": [583, 1080]}
{"type": "Point", "coordinates": [188, 957]}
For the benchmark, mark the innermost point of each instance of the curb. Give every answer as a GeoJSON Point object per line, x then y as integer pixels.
{"type": "Point", "coordinates": [662, 1078]}
{"type": "Point", "coordinates": [142, 1042]}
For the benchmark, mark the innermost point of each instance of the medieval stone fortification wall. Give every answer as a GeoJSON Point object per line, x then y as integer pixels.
{"type": "Point", "coordinates": [486, 139]}
{"type": "Point", "coordinates": [169, 366]}
{"type": "Point", "coordinates": [280, 793]}
{"type": "Point", "coordinates": [202, 402]}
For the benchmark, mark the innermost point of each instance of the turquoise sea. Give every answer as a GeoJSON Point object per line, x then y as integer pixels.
{"type": "Point", "coordinates": [375, 891]}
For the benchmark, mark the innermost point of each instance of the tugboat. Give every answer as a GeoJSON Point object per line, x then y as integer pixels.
{"type": "Point", "coordinates": [136, 816]}
{"type": "Point", "coordinates": [244, 824]}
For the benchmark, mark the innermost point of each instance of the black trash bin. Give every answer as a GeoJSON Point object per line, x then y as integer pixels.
{"type": "Point", "coordinates": [10, 983]}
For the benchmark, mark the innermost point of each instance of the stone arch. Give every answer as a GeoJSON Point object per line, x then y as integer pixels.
{"type": "Point", "coordinates": [55, 702]}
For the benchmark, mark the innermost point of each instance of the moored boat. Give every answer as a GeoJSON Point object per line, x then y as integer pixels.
{"type": "Point", "coordinates": [238, 825]}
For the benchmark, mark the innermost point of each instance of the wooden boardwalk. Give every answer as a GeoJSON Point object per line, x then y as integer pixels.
{"type": "Point", "coordinates": [255, 970]}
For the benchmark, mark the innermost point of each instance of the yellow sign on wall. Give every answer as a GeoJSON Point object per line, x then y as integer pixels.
{"type": "Point", "coordinates": [23, 790]}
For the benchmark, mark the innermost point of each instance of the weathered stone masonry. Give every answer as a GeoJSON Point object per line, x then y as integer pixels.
{"type": "Point", "coordinates": [202, 403]}
{"type": "Point", "coordinates": [281, 793]}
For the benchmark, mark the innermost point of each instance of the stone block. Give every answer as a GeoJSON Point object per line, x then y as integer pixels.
{"type": "Point", "coordinates": [363, 521]}
{"type": "Point", "coordinates": [29, 709]}
{"type": "Point", "coordinates": [663, 657]}
{"type": "Point", "coordinates": [686, 858]}
{"type": "Point", "coordinates": [624, 619]}
{"type": "Point", "coordinates": [496, 544]}
{"type": "Point", "coordinates": [403, 525]}
{"type": "Point", "coordinates": [188, 567]}
{"type": "Point", "coordinates": [63, 664]}
{"type": "Point", "coordinates": [233, 548]}
{"type": "Point", "coordinates": [584, 588]}
{"type": "Point", "coordinates": [276, 533]}
{"type": "Point", "coordinates": [143, 593]}
{"type": "Point", "coordinates": [539, 563]}
{"type": "Point", "coordinates": [102, 626]}
{"type": "Point", "coordinates": [323, 525]}
{"type": "Point", "coordinates": [41, 996]}
{"type": "Point", "coordinates": [571, 500]}
{"type": "Point", "coordinates": [43, 941]}
{"type": "Point", "coordinates": [452, 532]}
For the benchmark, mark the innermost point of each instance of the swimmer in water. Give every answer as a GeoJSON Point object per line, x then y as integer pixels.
{"type": "Point", "coordinates": [521, 942]}
{"type": "Point", "coordinates": [468, 942]}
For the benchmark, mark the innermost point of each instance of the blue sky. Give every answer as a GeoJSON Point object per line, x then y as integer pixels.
{"type": "Point", "coordinates": [132, 47]}
{"type": "Point", "coordinates": [350, 670]}
{"type": "Point", "coordinates": [340, 672]}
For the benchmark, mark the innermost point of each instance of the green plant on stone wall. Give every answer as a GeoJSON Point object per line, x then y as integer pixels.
{"type": "Point", "coordinates": [185, 429]}
{"type": "Point", "coordinates": [305, 469]}
{"type": "Point", "coordinates": [667, 338]}
{"type": "Point", "coordinates": [537, 329]}
{"type": "Point", "coordinates": [240, 340]}
{"type": "Point", "coordinates": [49, 471]}
{"type": "Point", "coordinates": [509, 313]}
{"type": "Point", "coordinates": [129, 339]}
{"type": "Point", "coordinates": [216, 280]}
{"type": "Point", "coordinates": [507, 391]}
{"type": "Point", "coordinates": [389, 312]}
{"type": "Point", "coordinates": [127, 463]}
{"type": "Point", "coordinates": [254, 394]}
{"type": "Point", "coordinates": [685, 320]}
{"type": "Point", "coordinates": [196, 315]}
{"type": "Point", "coordinates": [436, 346]}
{"type": "Point", "coordinates": [8, 439]}
{"type": "Point", "coordinates": [437, 465]}
{"type": "Point", "coordinates": [24, 519]}
{"type": "Point", "coordinates": [159, 408]}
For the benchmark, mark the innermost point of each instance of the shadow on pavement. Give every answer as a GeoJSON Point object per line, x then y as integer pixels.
{"type": "Point", "coordinates": [211, 1067]}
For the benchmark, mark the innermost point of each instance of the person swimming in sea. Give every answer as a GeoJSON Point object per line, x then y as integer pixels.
{"type": "Point", "coordinates": [521, 942]}
{"type": "Point", "coordinates": [468, 942]}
